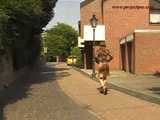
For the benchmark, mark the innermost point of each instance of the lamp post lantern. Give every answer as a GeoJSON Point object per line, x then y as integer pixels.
{"type": "Point", "coordinates": [93, 22]}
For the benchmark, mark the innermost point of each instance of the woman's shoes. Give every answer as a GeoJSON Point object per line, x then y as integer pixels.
{"type": "Point", "coordinates": [102, 90]}
{"type": "Point", "coordinates": [105, 91]}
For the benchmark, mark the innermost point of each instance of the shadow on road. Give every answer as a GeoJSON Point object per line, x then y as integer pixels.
{"type": "Point", "coordinates": [21, 87]}
{"type": "Point", "coordinates": [61, 106]}
{"type": "Point", "coordinates": [61, 69]}
{"type": "Point", "coordinates": [157, 74]}
{"type": "Point", "coordinates": [155, 90]}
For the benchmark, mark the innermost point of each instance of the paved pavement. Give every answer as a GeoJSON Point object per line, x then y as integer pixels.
{"type": "Point", "coordinates": [146, 87]}
{"type": "Point", "coordinates": [59, 92]}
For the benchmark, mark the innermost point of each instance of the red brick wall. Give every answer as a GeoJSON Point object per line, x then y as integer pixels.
{"type": "Point", "coordinates": [88, 10]}
{"type": "Point", "coordinates": [121, 22]}
{"type": "Point", "coordinates": [86, 14]}
{"type": "Point", "coordinates": [118, 22]}
{"type": "Point", "coordinates": [147, 52]}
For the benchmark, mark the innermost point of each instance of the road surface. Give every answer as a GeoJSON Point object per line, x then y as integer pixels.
{"type": "Point", "coordinates": [57, 92]}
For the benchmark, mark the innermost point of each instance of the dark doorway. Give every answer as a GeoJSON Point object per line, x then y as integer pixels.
{"type": "Point", "coordinates": [127, 57]}
{"type": "Point", "coordinates": [129, 49]}
{"type": "Point", "coordinates": [123, 57]}
{"type": "Point", "coordinates": [88, 52]}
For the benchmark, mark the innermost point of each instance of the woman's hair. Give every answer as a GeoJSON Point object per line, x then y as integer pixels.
{"type": "Point", "coordinates": [103, 55]}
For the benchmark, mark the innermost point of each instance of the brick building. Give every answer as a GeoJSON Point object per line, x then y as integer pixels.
{"type": "Point", "coordinates": [132, 33]}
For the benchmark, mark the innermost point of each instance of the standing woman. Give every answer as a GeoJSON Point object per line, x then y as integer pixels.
{"type": "Point", "coordinates": [103, 57]}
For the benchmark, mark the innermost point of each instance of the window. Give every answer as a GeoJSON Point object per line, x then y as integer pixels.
{"type": "Point", "coordinates": [155, 16]}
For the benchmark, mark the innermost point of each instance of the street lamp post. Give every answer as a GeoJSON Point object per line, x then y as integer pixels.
{"type": "Point", "coordinates": [93, 22]}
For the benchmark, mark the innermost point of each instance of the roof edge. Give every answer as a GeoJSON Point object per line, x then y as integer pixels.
{"type": "Point", "coordinates": [84, 3]}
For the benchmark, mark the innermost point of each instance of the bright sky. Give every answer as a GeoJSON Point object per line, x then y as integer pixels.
{"type": "Point", "coordinates": [66, 11]}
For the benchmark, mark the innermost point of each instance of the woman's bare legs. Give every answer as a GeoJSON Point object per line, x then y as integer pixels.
{"type": "Point", "coordinates": [103, 82]}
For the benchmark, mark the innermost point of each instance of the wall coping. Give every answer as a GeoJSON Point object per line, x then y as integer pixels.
{"type": "Point", "coordinates": [152, 3]}
{"type": "Point", "coordinates": [146, 30]}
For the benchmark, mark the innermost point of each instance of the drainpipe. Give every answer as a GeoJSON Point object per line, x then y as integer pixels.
{"type": "Point", "coordinates": [102, 10]}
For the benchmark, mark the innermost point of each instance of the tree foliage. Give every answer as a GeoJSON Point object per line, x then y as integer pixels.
{"type": "Point", "coordinates": [77, 52]}
{"type": "Point", "coordinates": [21, 23]}
{"type": "Point", "coordinates": [61, 39]}
{"type": "Point", "coordinates": [55, 45]}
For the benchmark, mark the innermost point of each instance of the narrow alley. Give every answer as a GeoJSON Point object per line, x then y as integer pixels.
{"type": "Point", "coordinates": [57, 92]}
